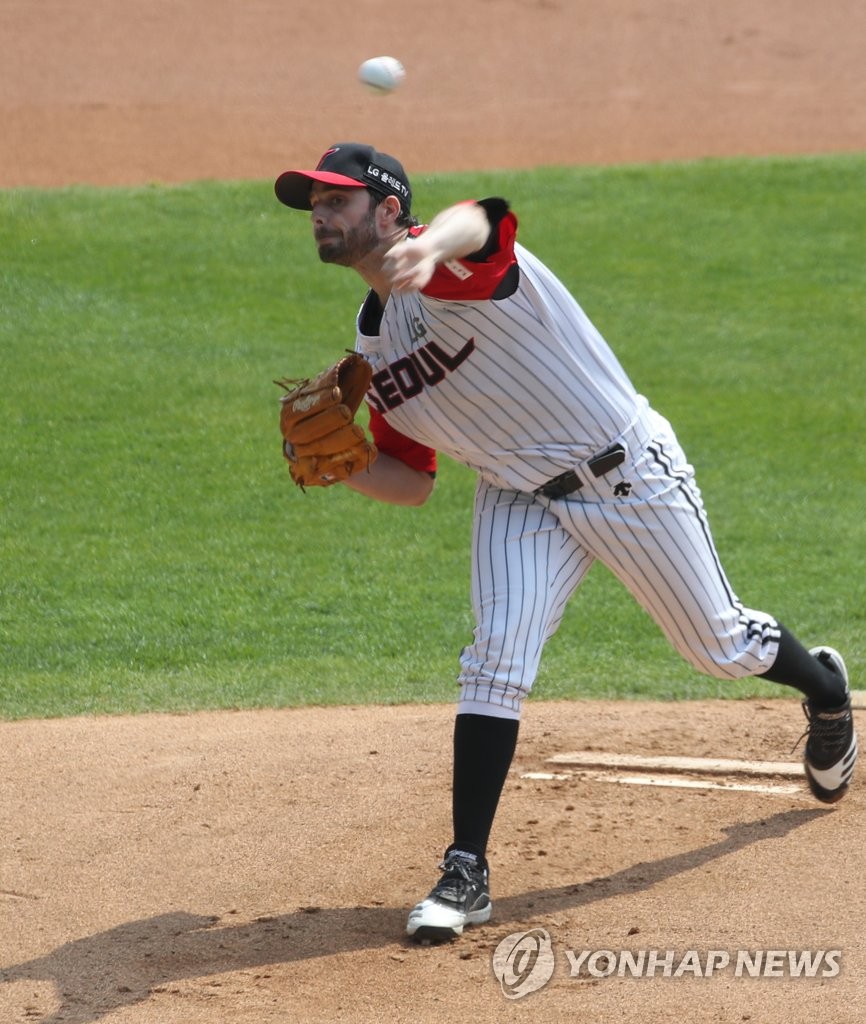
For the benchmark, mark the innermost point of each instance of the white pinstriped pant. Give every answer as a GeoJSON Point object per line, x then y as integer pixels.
{"type": "Point", "coordinates": [529, 555]}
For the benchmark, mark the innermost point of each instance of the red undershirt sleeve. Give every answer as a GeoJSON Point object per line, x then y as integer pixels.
{"type": "Point", "coordinates": [392, 442]}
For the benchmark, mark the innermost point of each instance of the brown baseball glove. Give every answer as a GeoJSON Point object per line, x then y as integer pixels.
{"type": "Point", "coordinates": [321, 441]}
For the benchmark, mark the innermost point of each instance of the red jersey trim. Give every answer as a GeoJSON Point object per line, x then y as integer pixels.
{"type": "Point", "coordinates": [468, 279]}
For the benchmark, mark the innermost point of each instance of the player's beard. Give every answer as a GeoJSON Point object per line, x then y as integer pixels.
{"type": "Point", "coordinates": [350, 248]}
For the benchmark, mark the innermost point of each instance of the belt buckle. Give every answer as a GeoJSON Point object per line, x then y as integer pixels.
{"type": "Point", "coordinates": [561, 485]}
{"type": "Point", "coordinates": [607, 460]}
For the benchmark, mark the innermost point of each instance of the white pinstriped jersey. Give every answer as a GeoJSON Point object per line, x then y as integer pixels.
{"type": "Point", "coordinates": [519, 389]}
{"type": "Point", "coordinates": [522, 387]}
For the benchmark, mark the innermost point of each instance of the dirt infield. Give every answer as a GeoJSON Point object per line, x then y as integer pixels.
{"type": "Point", "coordinates": [257, 866]}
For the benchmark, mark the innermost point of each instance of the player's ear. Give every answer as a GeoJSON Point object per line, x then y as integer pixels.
{"type": "Point", "coordinates": [387, 213]}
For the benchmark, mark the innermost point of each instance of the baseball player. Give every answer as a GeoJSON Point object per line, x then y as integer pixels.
{"type": "Point", "coordinates": [480, 352]}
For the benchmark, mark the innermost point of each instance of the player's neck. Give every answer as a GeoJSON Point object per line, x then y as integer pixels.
{"type": "Point", "coordinates": [377, 281]}
{"type": "Point", "coordinates": [370, 269]}
{"type": "Point", "coordinates": [369, 266]}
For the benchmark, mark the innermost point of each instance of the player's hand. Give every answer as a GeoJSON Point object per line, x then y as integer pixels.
{"type": "Point", "coordinates": [408, 265]}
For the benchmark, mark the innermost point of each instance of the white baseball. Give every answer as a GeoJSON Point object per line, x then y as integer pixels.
{"type": "Point", "coordinates": [382, 74]}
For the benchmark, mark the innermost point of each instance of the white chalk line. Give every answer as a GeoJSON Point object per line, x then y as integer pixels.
{"type": "Point", "coordinates": [689, 765]}
{"type": "Point", "coordinates": [669, 781]}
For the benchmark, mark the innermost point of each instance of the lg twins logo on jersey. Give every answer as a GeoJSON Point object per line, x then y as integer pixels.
{"type": "Point", "coordinates": [409, 375]}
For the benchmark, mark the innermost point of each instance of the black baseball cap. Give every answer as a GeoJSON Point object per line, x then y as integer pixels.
{"type": "Point", "coordinates": [347, 165]}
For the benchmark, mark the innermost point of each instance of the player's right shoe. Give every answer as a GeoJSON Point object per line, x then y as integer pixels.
{"type": "Point", "coordinates": [831, 749]}
{"type": "Point", "coordinates": [461, 897]}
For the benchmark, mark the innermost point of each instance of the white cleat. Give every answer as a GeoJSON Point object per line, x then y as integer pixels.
{"type": "Point", "coordinates": [461, 897]}
{"type": "Point", "coordinates": [831, 749]}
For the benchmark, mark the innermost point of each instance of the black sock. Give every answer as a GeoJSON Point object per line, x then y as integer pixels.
{"type": "Point", "coordinates": [795, 666]}
{"type": "Point", "coordinates": [483, 750]}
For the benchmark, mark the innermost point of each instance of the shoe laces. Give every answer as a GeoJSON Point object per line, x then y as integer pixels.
{"type": "Point", "coordinates": [456, 869]}
{"type": "Point", "coordinates": [830, 732]}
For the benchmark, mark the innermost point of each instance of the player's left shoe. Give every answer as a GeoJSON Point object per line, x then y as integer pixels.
{"type": "Point", "coordinates": [460, 897]}
{"type": "Point", "coordinates": [831, 749]}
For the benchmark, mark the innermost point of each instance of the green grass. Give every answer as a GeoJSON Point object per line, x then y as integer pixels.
{"type": "Point", "coordinates": [156, 556]}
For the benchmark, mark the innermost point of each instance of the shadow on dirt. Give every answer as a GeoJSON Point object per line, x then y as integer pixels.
{"type": "Point", "coordinates": [126, 965]}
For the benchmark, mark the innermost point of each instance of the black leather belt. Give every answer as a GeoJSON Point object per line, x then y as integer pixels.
{"type": "Point", "coordinates": [598, 465]}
